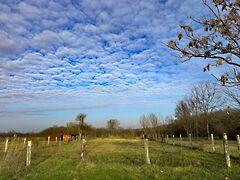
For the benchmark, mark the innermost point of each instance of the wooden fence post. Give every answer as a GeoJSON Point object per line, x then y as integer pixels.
{"type": "Point", "coordinates": [48, 140]}
{"type": "Point", "coordinates": [173, 139]}
{"type": "Point", "coordinates": [224, 143]}
{"type": "Point", "coordinates": [226, 153]}
{"type": "Point", "coordinates": [147, 159]}
{"type": "Point", "coordinates": [24, 142]}
{"type": "Point", "coordinates": [190, 139]}
{"type": "Point", "coordinates": [238, 143]}
{"type": "Point", "coordinates": [29, 147]}
{"type": "Point", "coordinates": [213, 147]}
{"type": "Point", "coordinates": [167, 139]}
{"type": "Point", "coordinates": [56, 139]}
{"type": "Point", "coordinates": [6, 145]}
{"type": "Point", "coordinates": [83, 149]}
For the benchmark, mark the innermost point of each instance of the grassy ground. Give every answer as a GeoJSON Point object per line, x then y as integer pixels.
{"type": "Point", "coordinates": [118, 159]}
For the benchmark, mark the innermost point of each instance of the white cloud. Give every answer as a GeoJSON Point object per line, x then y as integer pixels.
{"type": "Point", "coordinates": [105, 51]}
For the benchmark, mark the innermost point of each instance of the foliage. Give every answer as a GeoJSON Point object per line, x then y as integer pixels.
{"type": "Point", "coordinates": [55, 130]}
{"type": "Point", "coordinates": [220, 43]}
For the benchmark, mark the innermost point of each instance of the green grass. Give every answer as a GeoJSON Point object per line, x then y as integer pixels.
{"type": "Point", "coordinates": [119, 159]}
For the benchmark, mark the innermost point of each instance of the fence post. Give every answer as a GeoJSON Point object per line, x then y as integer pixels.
{"type": "Point", "coordinates": [226, 153]}
{"type": "Point", "coordinates": [147, 159]}
{"type": "Point", "coordinates": [6, 145]}
{"type": "Point", "coordinates": [213, 147]}
{"type": "Point", "coordinates": [24, 142]}
{"type": "Point", "coordinates": [190, 139]}
{"type": "Point", "coordinates": [29, 147]}
{"type": "Point", "coordinates": [173, 139]}
{"type": "Point", "coordinates": [238, 143]}
{"type": "Point", "coordinates": [56, 139]}
{"type": "Point", "coordinates": [167, 139]}
{"type": "Point", "coordinates": [48, 140]}
{"type": "Point", "coordinates": [83, 149]}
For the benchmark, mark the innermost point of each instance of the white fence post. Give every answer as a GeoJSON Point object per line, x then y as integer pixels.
{"type": "Point", "coordinates": [167, 138]}
{"type": "Point", "coordinates": [147, 159]}
{"type": "Point", "coordinates": [48, 140]}
{"type": "Point", "coordinates": [24, 142]}
{"type": "Point", "coordinates": [56, 139]}
{"type": "Point", "coordinates": [226, 153]}
{"type": "Point", "coordinates": [238, 143]}
{"type": "Point", "coordinates": [29, 147]}
{"type": "Point", "coordinates": [6, 145]}
{"type": "Point", "coordinates": [83, 149]}
{"type": "Point", "coordinates": [213, 147]}
{"type": "Point", "coordinates": [173, 139]}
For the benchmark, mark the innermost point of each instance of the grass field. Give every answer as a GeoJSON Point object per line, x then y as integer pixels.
{"type": "Point", "coordinates": [113, 158]}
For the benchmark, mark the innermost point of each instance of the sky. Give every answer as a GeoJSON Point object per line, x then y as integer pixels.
{"type": "Point", "coordinates": [100, 57]}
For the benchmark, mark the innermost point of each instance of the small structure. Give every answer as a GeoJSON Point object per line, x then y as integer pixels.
{"type": "Point", "coordinates": [67, 137]}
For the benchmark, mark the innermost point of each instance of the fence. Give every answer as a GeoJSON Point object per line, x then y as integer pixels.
{"type": "Point", "coordinates": [18, 153]}
{"type": "Point", "coordinates": [227, 148]}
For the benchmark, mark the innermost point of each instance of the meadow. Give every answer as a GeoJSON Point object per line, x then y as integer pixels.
{"type": "Point", "coordinates": [116, 158]}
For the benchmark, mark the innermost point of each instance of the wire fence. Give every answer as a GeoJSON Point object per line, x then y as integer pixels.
{"type": "Point", "coordinates": [204, 145]}
{"type": "Point", "coordinates": [15, 157]}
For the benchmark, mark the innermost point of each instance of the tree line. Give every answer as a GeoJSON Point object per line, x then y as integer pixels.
{"type": "Point", "coordinates": [205, 110]}
{"type": "Point", "coordinates": [83, 129]}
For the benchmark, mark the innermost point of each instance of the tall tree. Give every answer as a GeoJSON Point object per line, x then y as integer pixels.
{"type": "Point", "coordinates": [153, 119]}
{"type": "Point", "coordinates": [219, 43]}
{"type": "Point", "coordinates": [81, 121]}
{"type": "Point", "coordinates": [183, 113]}
{"type": "Point", "coordinates": [207, 99]}
{"type": "Point", "coordinates": [144, 123]}
{"type": "Point", "coordinates": [194, 108]}
{"type": "Point", "coordinates": [113, 124]}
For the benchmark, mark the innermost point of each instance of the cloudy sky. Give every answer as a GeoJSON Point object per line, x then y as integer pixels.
{"type": "Point", "coordinates": [100, 57]}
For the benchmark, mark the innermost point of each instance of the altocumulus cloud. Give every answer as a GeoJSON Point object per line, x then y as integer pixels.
{"type": "Point", "coordinates": [100, 52]}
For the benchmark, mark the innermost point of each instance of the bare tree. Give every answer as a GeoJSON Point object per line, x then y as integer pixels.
{"type": "Point", "coordinates": [113, 125]}
{"type": "Point", "coordinates": [183, 113]}
{"type": "Point", "coordinates": [193, 105]}
{"type": "Point", "coordinates": [220, 43]}
{"type": "Point", "coordinates": [80, 119]}
{"type": "Point", "coordinates": [207, 99]}
{"type": "Point", "coordinates": [162, 127]}
{"type": "Point", "coordinates": [234, 94]}
{"type": "Point", "coordinates": [153, 119]}
{"type": "Point", "coordinates": [144, 122]}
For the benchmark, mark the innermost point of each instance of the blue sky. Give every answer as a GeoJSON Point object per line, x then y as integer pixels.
{"type": "Point", "coordinates": [100, 57]}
